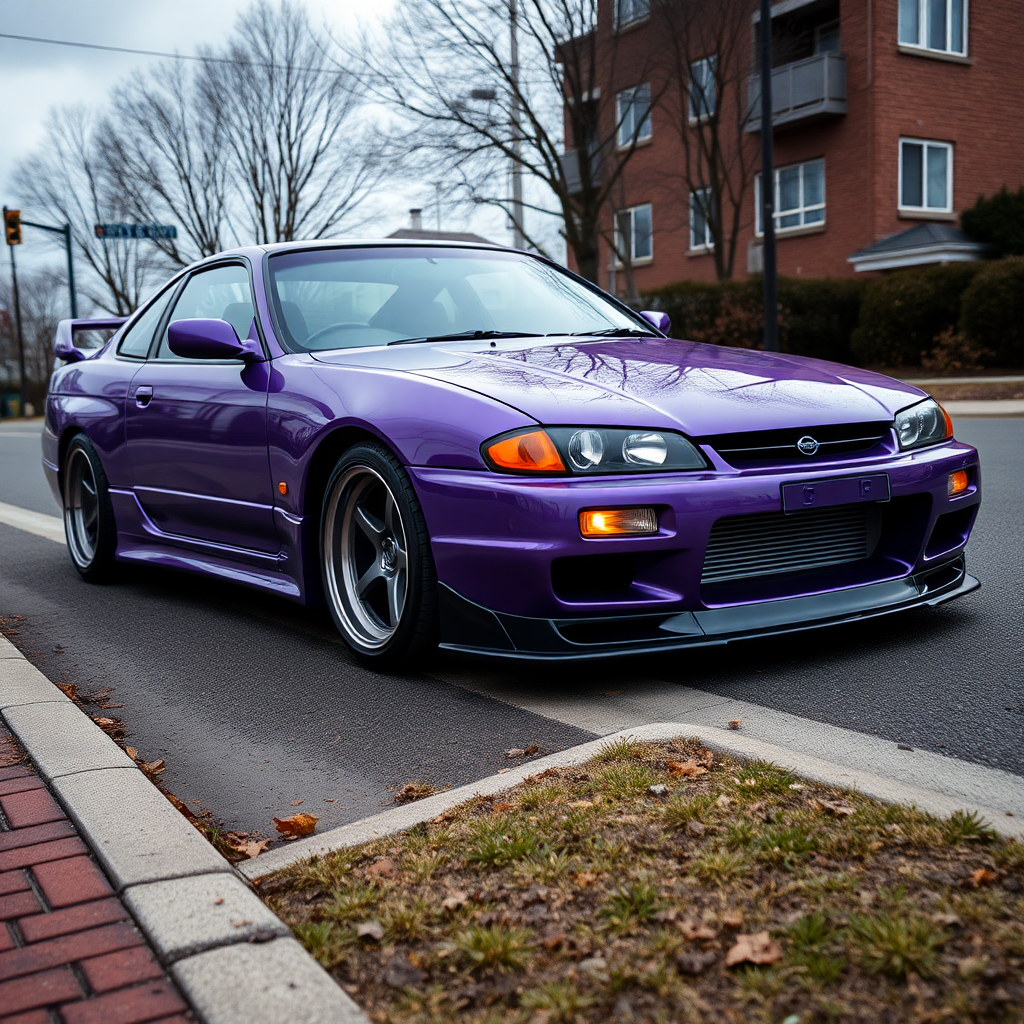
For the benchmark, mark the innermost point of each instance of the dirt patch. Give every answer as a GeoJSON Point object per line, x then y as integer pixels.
{"type": "Point", "coordinates": [658, 883]}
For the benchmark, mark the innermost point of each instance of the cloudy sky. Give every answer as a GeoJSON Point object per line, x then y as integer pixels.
{"type": "Point", "coordinates": [35, 77]}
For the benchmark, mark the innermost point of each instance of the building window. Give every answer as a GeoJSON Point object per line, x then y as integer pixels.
{"type": "Point", "coordinates": [634, 237]}
{"type": "Point", "coordinates": [700, 219]}
{"type": "Point", "coordinates": [826, 38]}
{"type": "Point", "coordinates": [926, 175]}
{"type": "Point", "coordinates": [702, 88]}
{"type": "Point", "coordinates": [799, 196]}
{"type": "Point", "coordinates": [634, 111]}
{"type": "Point", "coordinates": [628, 11]}
{"type": "Point", "coordinates": [939, 25]}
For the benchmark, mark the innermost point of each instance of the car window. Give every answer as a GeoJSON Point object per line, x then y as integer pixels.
{"type": "Point", "coordinates": [221, 293]}
{"type": "Point", "coordinates": [137, 338]}
{"type": "Point", "coordinates": [349, 298]}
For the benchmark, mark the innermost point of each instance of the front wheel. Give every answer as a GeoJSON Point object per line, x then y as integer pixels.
{"type": "Point", "coordinates": [89, 525]}
{"type": "Point", "coordinates": [378, 571]}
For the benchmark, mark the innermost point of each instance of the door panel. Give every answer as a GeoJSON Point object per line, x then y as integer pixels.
{"type": "Point", "coordinates": [197, 432]}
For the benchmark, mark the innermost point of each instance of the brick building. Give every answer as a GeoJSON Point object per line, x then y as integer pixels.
{"type": "Point", "coordinates": [890, 117]}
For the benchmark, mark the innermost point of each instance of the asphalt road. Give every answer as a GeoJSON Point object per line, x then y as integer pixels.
{"type": "Point", "coordinates": [255, 704]}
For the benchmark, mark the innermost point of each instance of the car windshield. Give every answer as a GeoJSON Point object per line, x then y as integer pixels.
{"type": "Point", "coordinates": [353, 298]}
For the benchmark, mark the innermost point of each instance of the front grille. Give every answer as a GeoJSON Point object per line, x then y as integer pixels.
{"type": "Point", "coordinates": [765, 445]}
{"type": "Point", "coordinates": [771, 543]}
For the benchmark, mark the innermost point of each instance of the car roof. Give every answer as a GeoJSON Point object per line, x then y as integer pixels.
{"type": "Point", "coordinates": [354, 243]}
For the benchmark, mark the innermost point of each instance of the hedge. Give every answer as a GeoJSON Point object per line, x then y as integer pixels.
{"type": "Point", "coordinates": [816, 315]}
{"type": "Point", "coordinates": [992, 311]}
{"type": "Point", "coordinates": [888, 321]}
{"type": "Point", "coordinates": [903, 313]}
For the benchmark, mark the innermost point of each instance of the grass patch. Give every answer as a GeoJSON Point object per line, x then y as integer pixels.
{"type": "Point", "coordinates": [580, 897]}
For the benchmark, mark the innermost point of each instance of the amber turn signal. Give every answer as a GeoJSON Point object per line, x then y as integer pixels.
{"type": "Point", "coordinates": [618, 522]}
{"type": "Point", "coordinates": [282, 487]}
{"type": "Point", "coordinates": [533, 452]}
{"type": "Point", "coordinates": [957, 483]}
{"type": "Point", "coordinates": [949, 422]}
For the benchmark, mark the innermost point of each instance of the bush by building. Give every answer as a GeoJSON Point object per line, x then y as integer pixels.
{"type": "Point", "coordinates": [998, 221]}
{"type": "Point", "coordinates": [992, 311]}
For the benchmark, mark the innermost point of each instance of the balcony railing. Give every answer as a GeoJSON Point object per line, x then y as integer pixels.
{"type": "Point", "coordinates": [805, 89]}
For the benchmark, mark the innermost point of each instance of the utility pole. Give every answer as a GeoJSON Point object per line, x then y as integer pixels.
{"type": "Point", "coordinates": [12, 228]}
{"type": "Point", "coordinates": [518, 239]}
{"type": "Point", "coordinates": [770, 272]}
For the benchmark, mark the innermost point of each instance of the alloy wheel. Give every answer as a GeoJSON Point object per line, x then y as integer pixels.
{"type": "Point", "coordinates": [81, 508]}
{"type": "Point", "coordinates": [366, 552]}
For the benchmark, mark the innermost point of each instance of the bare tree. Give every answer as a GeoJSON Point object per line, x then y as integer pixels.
{"type": "Point", "coordinates": [708, 60]}
{"type": "Point", "coordinates": [67, 182]}
{"type": "Point", "coordinates": [446, 66]}
{"type": "Point", "coordinates": [166, 159]}
{"type": "Point", "coordinates": [302, 155]}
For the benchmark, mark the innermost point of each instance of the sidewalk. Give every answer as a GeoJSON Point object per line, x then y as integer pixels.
{"type": "Point", "coordinates": [68, 945]}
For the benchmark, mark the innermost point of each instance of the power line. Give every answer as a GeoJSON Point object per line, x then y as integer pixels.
{"type": "Point", "coordinates": [162, 53]}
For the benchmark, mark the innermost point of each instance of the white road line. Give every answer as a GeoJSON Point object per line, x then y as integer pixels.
{"type": "Point", "coordinates": [20, 433]}
{"type": "Point", "coordinates": [647, 701]}
{"type": "Point", "coordinates": [50, 527]}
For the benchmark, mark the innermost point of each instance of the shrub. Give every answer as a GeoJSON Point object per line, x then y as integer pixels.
{"type": "Point", "coordinates": [816, 315]}
{"type": "Point", "coordinates": [998, 221]}
{"type": "Point", "coordinates": [953, 351]}
{"type": "Point", "coordinates": [903, 314]}
{"type": "Point", "coordinates": [992, 311]}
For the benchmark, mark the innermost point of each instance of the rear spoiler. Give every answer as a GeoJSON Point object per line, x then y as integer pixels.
{"type": "Point", "coordinates": [64, 340]}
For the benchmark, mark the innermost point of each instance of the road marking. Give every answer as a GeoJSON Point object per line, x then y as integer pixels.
{"type": "Point", "coordinates": [20, 433]}
{"type": "Point", "coordinates": [646, 701]}
{"type": "Point", "coordinates": [50, 527]}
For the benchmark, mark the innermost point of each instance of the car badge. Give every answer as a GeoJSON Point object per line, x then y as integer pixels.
{"type": "Point", "coordinates": [807, 445]}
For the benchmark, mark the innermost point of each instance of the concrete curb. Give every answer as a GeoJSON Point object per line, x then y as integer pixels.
{"type": "Point", "coordinates": [230, 956]}
{"type": "Point", "coordinates": [724, 741]}
{"type": "Point", "coordinates": [985, 407]}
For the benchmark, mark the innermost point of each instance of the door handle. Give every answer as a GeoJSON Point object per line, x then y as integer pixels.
{"type": "Point", "coordinates": [143, 396]}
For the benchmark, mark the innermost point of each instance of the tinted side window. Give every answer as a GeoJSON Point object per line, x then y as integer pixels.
{"type": "Point", "coordinates": [222, 293]}
{"type": "Point", "coordinates": [137, 338]}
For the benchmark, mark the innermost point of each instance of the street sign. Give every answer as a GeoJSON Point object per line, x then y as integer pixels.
{"type": "Point", "coordinates": [110, 232]}
{"type": "Point", "coordinates": [12, 226]}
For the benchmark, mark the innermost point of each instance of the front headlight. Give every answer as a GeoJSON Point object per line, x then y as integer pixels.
{"type": "Point", "coordinates": [921, 424]}
{"type": "Point", "coordinates": [579, 451]}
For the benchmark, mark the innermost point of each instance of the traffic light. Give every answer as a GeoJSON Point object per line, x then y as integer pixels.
{"type": "Point", "coordinates": [12, 226]}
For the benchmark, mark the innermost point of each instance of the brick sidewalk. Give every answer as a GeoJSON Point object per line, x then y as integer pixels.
{"type": "Point", "coordinates": [69, 951]}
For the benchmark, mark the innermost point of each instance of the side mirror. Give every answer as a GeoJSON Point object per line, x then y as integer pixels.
{"type": "Point", "coordinates": [210, 339]}
{"type": "Point", "coordinates": [659, 321]}
{"type": "Point", "coordinates": [64, 346]}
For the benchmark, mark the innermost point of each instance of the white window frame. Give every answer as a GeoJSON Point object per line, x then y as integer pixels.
{"type": "Point", "coordinates": [948, 146]}
{"type": "Point", "coordinates": [922, 29]}
{"type": "Point", "coordinates": [707, 64]}
{"type": "Point", "coordinates": [636, 11]}
{"type": "Point", "coordinates": [707, 244]}
{"type": "Point", "coordinates": [803, 209]}
{"type": "Point", "coordinates": [634, 260]}
{"type": "Point", "coordinates": [625, 136]}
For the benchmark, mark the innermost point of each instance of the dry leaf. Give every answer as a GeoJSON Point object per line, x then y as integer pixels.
{"type": "Point", "coordinates": [413, 791]}
{"type": "Point", "coordinates": [253, 848]}
{"type": "Point", "coordinates": [132, 753]}
{"type": "Point", "coordinates": [370, 930]}
{"type": "Point", "coordinates": [455, 901]}
{"type": "Point", "coordinates": [503, 771]}
{"type": "Point", "coordinates": [501, 808]}
{"type": "Point", "coordinates": [105, 723]}
{"type": "Point", "coordinates": [295, 803]}
{"type": "Point", "coordinates": [218, 901]}
{"type": "Point", "coordinates": [181, 806]}
{"type": "Point", "coordinates": [585, 878]}
{"type": "Point", "coordinates": [760, 948]}
{"type": "Point", "coordinates": [295, 826]}
{"type": "Point", "coordinates": [553, 938]}
{"type": "Point", "coordinates": [735, 723]}
{"type": "Point", "coordinates": [982, 876]}
{"type": "Point", "coordinates": [696, 932]}
{"type": "Point", "coordinates": [838, 807]}
{"type": "Point", "coordinates": [68, 689]}
{"type": "Point", "coordinates": [687, 768]}
{"type": "Point", "coordinates": [514, 752]}
{"type": "Point", "coordinates": [733, 919]}
{"type": "Point", "coordinates": [153, 767]}
{"type": "Point", "coordinates": [383, 868]}
{"type": "Point", "coordinates": [531, 749]}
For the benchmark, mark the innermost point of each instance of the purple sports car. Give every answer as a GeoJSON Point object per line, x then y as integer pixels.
{"type": "Point", "coordinates": [469, 446]}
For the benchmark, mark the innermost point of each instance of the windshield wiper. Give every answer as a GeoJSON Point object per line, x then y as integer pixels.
{"type": "Point", "coordinates": [462, 335]}
{"type": "Point", "coordinates": [614, 332]}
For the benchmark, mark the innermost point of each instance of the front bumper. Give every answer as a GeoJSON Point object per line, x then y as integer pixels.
{"type": "Point", "coordinates": [471, 629]}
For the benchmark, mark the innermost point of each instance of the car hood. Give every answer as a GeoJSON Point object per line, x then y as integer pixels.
{"type": "Point", "coordinates": [653, 382]}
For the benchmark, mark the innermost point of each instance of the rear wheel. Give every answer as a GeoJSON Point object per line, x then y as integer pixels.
{"type": "Point", "coordinates": [378, 572]}
{"type": "Point", "coordinates": [89, 525]}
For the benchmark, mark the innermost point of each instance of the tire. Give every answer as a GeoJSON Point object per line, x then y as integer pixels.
{"type": "Point", "coordinates": [89, 526]}
{"type": "Point", "coordinates": [376, 563]}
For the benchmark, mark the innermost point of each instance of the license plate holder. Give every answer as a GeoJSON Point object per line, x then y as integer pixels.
{"type": "Point", "coordinates": [846, 490]}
